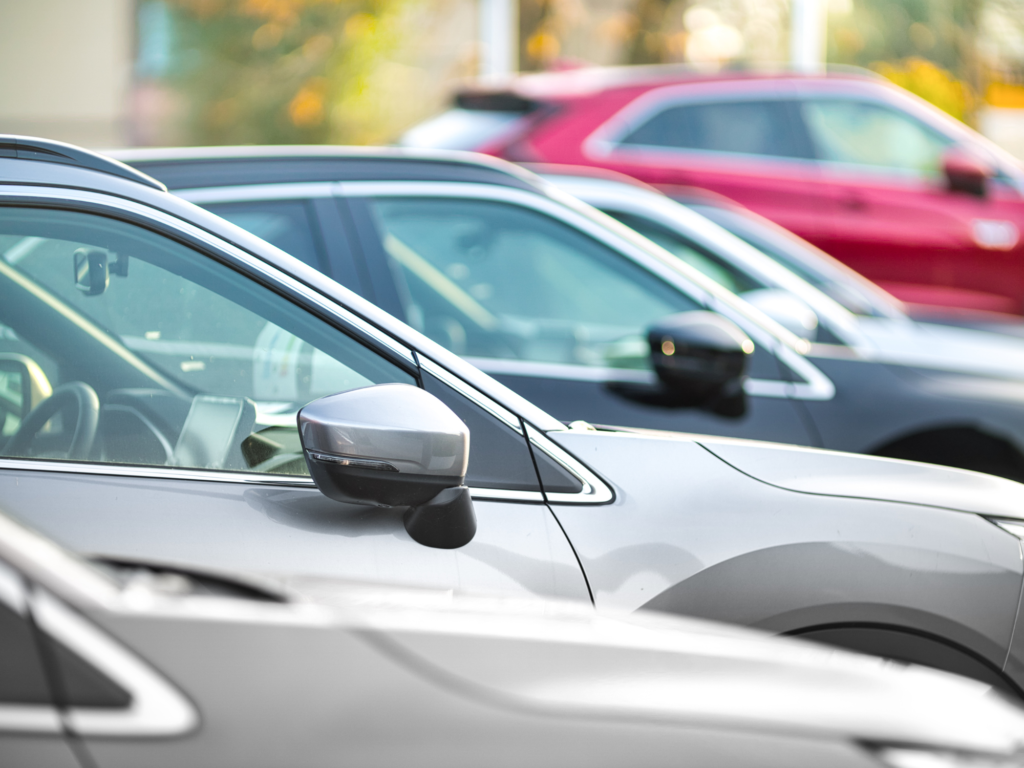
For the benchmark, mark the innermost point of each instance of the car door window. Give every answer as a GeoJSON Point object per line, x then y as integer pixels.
{"type": "Point", "coordinates": [495, 280]}
{"type": "Point", "coordinates": [764, 127]}
{"type": "Point", "coordinates": [190, 363]}
{"type": "Point", "coordinates": [873, 136]}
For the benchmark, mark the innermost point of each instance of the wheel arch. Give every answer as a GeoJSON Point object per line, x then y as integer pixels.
{"type": "Point", "coordinates": [964, 446]}
{"type": "Point", "coordinates": [911, 646]}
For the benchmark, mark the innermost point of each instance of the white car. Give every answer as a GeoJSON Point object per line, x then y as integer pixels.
{"type": "Point", "coordinates": [144, 666]}
{"type": "Point", "coordinates": [802, 288]}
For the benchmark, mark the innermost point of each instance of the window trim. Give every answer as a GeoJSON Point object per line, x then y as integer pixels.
{"type": "Point", "coordinates": [157, 707]}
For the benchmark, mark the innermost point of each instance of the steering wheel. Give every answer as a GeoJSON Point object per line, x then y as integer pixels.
{"type": "Point", "coordinates": [74, 394]}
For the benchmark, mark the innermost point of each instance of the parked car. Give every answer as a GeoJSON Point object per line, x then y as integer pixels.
{"type": "Point", "coordinates": [158, 362]}
{"type": "Point", "coordinates": [159, 667]}
{"type": "Point", "coordinates": [788, 279]}
{"type": "Point", "coordinates": [560, 303]}
{"type": "Point", "coordinates": [851, 289]}
{"type": "Point", "coordinates": [875, 176]}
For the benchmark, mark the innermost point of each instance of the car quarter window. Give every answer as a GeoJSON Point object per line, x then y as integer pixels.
{"type": "Point", "coordinates": [719, 270]}
{"type": "Point", "coordinates": [751, 127]}
{"type": "Point", "coordinates": [158, 354]}
{"type": "Point", "coordinates": [496, 280]}
{"type": "Point", "coordinates": [288, 224]}
{"type": "Point", "coordinates": [873, 135]}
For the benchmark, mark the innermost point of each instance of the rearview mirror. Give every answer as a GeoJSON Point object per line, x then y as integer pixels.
{"type": "Point", "coordinates": [393, 445]}
{"type": "Point", "coordinates": [93, 269]}
{"type": "Point", "coordinates": [965, 171]}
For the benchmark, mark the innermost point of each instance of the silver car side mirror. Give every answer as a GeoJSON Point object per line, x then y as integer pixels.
{"type": "Point", "coordinates": [393, 445]}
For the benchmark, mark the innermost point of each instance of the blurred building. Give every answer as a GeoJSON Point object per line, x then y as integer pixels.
{"type": "Point", "coordinates": [65, 69]}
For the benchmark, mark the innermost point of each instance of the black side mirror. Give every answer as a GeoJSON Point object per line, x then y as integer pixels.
{"type": "Point", "coordinates": [393, 445]}
{"type": "Point", "coordinates": [701, 362]}
{"type": "Point", "coordinates": [965, 172]}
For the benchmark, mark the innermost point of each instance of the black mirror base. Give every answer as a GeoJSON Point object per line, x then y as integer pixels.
{"type": "Point", "coordinates": [731, 402]}
{"type": "Point", "coordinates": [447, 521]}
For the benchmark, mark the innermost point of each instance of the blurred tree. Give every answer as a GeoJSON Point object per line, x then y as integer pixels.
{"type": "Point", "coordinates": [280, 71]}
{"type": "Point", "coordinates": [929, 47]}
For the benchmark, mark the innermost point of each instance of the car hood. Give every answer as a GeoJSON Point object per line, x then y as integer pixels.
{"type": "Point", "coordinates": [567, 659]}
{"type": "Point", "coordinates": [831, 473]}
{"type": "Point", "coordinates": [945, 348]}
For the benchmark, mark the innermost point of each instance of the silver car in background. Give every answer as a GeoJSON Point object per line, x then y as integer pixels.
{"type": "Point", "coordinates": [806, 291]}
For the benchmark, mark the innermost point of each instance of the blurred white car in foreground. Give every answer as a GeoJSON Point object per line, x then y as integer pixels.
{"type": "Point", "coordinates": [143, 666]}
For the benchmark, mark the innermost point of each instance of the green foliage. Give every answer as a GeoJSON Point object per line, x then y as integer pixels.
{"type": "Point", "coordinates": [926, 46]}
{"type": "Point", "coordinates": [931, 83]}
{"type": "Point", "coordinates": [279, 71]}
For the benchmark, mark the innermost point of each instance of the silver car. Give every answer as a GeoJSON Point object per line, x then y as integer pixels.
{"type": "Point", "coordinates": [158, 361]}
{"type": "Point", "coordinates": [152, 667]}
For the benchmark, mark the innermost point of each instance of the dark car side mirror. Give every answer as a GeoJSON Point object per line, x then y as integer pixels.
{"type": "Point", "coordinates": [965, 172]}
{"type": "Point", "coordinates": [701, 362]}
{"type": "Point", "coordinates": [393, 445]}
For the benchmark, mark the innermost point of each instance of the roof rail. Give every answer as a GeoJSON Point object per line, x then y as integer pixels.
{"type": "Point", "coordinates": [31, 148]}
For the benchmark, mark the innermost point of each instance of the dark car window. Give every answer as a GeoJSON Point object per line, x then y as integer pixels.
{"type": "Point", "coordinates": [496, 280]}
{"type": "Point", "coordinates": [193, 364]}
{"type": "Point", "coordinates": [719, 270]}
{"type": "Point", "coordinates": [747, 127]}
{"type": "Point", "coordinates": [872, 135]}
{"type": "Point", "coordinates": [288, 224]}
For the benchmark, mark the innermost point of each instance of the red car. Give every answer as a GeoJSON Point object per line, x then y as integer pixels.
{"type": "Point", "coordinates": [885, 182]}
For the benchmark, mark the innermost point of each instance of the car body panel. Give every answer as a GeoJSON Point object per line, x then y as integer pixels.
{"type": "Point", "coordinates": [518, 549]}
{"type": "Point", "coordinates": [777, 553]}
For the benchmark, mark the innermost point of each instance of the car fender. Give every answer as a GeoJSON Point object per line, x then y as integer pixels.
{"type": "Point", "coordinates": [689, 533]}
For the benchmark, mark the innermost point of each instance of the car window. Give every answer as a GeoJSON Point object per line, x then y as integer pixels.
{"type": "Point", "coordinates": [747, 127]}
{"type": "Point", "coordinates": [288, 224]}
{"type": "Point", "coordinates": [495, 280]}
{"type": "Point", "coordinates": [191, 364]}
{"type": "Point", "coordinates": [799, 257]}
{"type": "Point", "coordinates": [872, 135]}
{"type": "Point", "coordinates": [719, 270]}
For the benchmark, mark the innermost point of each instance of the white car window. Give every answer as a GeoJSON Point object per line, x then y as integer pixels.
{"type": "Point", "coordinates": [866, 134]}
{"type": "Point", "coordinates": [192, 364]}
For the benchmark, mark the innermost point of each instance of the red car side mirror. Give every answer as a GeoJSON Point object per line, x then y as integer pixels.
{"type": "Point", "coordinates": [965, 171]}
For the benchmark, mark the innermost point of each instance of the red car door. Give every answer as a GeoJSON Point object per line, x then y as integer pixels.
{"type": "Point", "coordinates": [743, 140]}
{"type": "Point", "coordinates": [892, 217]}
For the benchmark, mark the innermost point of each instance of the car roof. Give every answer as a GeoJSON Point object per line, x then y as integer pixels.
{"type": "Point", "coordinates": [587, 81]}
{"type": "Point", "coordinates": [232, 166]}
